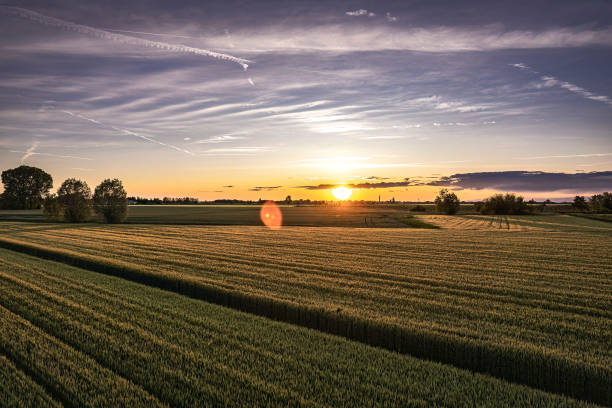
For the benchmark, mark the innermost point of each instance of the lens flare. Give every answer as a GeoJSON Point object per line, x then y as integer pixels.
{"type": "Point", "coordinates": [271, 215]}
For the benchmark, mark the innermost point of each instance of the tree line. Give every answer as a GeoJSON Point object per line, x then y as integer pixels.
{"type": "Point", "coordinates": [511, 204]}
{"type": "Point", "coordinates": [28, 188]}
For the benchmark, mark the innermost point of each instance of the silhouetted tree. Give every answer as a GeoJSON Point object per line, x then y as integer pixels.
{"type": "Point", "coordinates": [24, 187]}
{"type": "Point", "coordinates": [51, 207]}
{"type": "Point", "coordinates": [110, 200]}
{"type": "Point", "coordinates": [74, 196]}
{"type": "Point", "coordinates": [500, 204]}
{"type": "Point", "coordinates": [601, 202]}
{"type": "Point", "coordinates": [288, 200]}
{"type": "Point", "coordinates": [580, 204]}
{"type": "Point", "coordinates": [447, 202]}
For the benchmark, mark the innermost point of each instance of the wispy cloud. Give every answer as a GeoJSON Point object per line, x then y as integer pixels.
{"type": "Point", "coordinates": [128, 132]}
{"type": "Point", "coordinates": [265, 188]}
{"type": "Point", "coordinates": [230, 137]}
{"type": "Point", "coordinates": [29, 152]}
{"type": "Point", "coordinates": [237, 151]}
{"type": "Point", "coordinates": [548, 81]}
{"type": "Point", "coordinates": [564, 156]}
{"type": "Point", "coordinates": [360, 12]}
{"type": "Point", "coordinates": [124, 39]}
{"type": "Point", "coordinates": [390, 18]}
{"type": "Point", "coordinates": [343, 38]}
{"type": "Point", "coordinates": [361, 186]}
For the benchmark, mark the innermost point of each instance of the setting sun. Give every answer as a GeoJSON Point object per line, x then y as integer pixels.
{"type": "Point", "coordinates": [342, 193]}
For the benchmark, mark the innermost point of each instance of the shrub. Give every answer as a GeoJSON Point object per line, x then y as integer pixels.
{"type": "Point", "coordinates": [110, 200]}
{"type": "Point", "coordinates": [419, 208]}
{"type": "Point", "coordinates": [447, 202]}
{"type": "Point", "coordinates": [500, 204]}
{"type": "Point", "coordinates": [74, 196]}
{"type": "Point", "coordinates": [51, 207]}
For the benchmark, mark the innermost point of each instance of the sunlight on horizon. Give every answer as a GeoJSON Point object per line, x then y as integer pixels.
{"type": "Point", "coordinates": [342, 193]}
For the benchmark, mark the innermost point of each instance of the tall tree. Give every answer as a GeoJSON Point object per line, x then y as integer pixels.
{"type": "Point", "coordinates": [110, 200]}
{"type": "Point", "coordinates": [75, 198]}
{"type": "Point", "coordinates": [24, 187]}
{"type": "Point", "coordinates": [447, 202]}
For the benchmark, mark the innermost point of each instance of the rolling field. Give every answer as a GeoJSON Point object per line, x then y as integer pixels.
{"type": "Point", "coordinates": [383, 216]}
{"type": "Point", "coordinates": [82, 338]}
{"type": "Point", "coordinates": [533, 306]}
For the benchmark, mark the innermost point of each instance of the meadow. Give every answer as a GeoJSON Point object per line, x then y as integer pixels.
{"type": "Point", "coordinates": [73, 337]}
{"type": "Point", "coordinates": [530, 303]}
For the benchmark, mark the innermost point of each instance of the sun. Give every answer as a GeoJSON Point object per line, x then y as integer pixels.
{"type": "Point", "coordinates": [342, 193]}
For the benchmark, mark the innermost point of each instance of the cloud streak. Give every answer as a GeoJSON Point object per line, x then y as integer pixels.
{"type": "Point", "coordinates": [124, 39]}
{"type": "Point", "coordinates": [361, 186]}
{"type": "Point", "coordinates": [548, 81]}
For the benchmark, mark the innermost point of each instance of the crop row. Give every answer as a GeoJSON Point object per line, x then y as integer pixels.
{"type": "Point", "coordinates": [542, 320]}
{"type": "Point", "coordinates": [19, 390]}
{"type": "Point", "coordinates": [185, 352]}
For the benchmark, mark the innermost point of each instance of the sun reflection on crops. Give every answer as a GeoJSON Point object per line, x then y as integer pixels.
{"type": "Point", "coordinates": [271, 215]}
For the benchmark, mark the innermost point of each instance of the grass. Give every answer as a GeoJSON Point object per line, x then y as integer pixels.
{"type": "Point", "coordinates": [98, 340]}
{"type": "Point", "coordinates": [538, 300]}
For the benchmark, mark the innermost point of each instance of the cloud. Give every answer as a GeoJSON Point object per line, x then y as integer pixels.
{"type": "Point", "coordinates": [343, 38]}
{"type": "Point", "coordinates": [268, 188]}
{"type": "Point", "coordinates": [520, 65]}
{"type": "Point", "coordinates": [536, 181]}
{"type": "Point", "coordinates": [550, 81]}
{"type": "Point", "coordinates": [29, 152]}
{"type": "Point", "coordinates": [565, 156]}
{"type": "Point", "coordinates": [124, 39]}
{"type": "Point", "coordinates": [360, 12]}
{"type": "Point", "coordinates": [230, 186]}
{"type": "Point", "coordinates": [237, 151]}
{"type": "Point", "coordinates": [390, 18]}
{"type": "Point", "coordinates": [128, 132]}
{"type": "Point", "coordinates": [361, 186]}
{"type": "Point", "coordinates": [221, 139]}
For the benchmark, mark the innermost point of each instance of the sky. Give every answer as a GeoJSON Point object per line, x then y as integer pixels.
{"type": "Point", "coordinates": [249, 100]}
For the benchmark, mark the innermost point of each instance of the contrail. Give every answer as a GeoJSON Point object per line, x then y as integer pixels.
{"type": "Point", "coordinates": [30, 152]}
{"type": "Point", "coordinates": [124, 39]}
{"type": "Point", "coordinates": [128, 132]}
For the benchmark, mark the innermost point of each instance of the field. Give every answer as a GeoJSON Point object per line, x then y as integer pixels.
{"type": "Point", "coordinates": [86, 339]}
{"type": "Point", "coordinates": [526, 299]}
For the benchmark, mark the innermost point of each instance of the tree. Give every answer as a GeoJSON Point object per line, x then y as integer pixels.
{"type": "Point", "coordinates": [24, 187]}
{"type": "Point", "coordinates": [580, 204]}
{"type": "Point", "coordinates": [447, 202]}
{"type": "Point", "coordinates": [601, 202]}
{"type": "Point", "coordinates": [110, 200]}
{"type": "Point", "coordinates": [500, 204]}
{"type": "Point", "coordinates": [288, 200]}
{"type": "Point", "coordinates": [75, 198]}
{"type": "Point", "coordinates": [51, 207]}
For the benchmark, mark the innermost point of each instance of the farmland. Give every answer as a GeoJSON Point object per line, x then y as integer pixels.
{"type": "Point", "coordinates": [530, 304]}
{"type": "Point", "coordinates": [82, 338]}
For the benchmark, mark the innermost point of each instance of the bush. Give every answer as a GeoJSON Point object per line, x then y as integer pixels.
{"type": "Point", "coordinates": [51, 207]}
{"type": "Point", "coordinates": [419, 208]}
{"type": "Point", "coordinates": [74, 196]}
{"type": "Point", "coordinates": [110, 200]}
{"type": "Point", "coordinates": [447, 202]}
{"type": "Point", "coordinates": [500, 204]}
